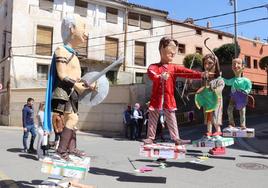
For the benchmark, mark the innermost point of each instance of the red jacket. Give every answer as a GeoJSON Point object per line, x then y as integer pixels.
{"type": "Point", "coordinates": [154, 72]}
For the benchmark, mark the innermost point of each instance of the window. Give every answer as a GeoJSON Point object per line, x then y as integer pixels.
{"type": "Point", "coordinates": [80, 7]}
{"type": "Point", "coordinates": [255, 63]}
{"type": "Point", "coordinates": [140, 53]}
{"type": "Point", "coordinates": [111, 49]}
{"type": "Point", "coordinates": [3, 76]}
{"type": "Point", "coordinates": [81, 49]}
{"type": "Point", "coordinates": [139, 78]}
{"type": "Point", "coordinates": [81, 3]}
{"type": "Point", "coordinates": [111, 76]}
{"type": "Point", "coordinates": [248, 61]}
{"type": "Point", "coordinates": [219, 36]}
{"type": "Point", "coordinates": [4, 44]}
{"type": "Point", "coordinates": [199, 50]}
{"type": "Point", "coordinates": [46, 4]}
{"type": "Point", "coordinates": [133, 19]}
{"type": "Point", "coordinates": [6, 8]}
{"type": "Point", "coordinates": [42, 72]}
{"type": "Point", "coordinates": [44, 40]}
{"type": "Point", "coordinates": [181, 48]}
{"type": "Point", "coordinates": [198, 32]}
{"type": "Point", "coordinates": [111, 15]}
{"type": "Point", "coordinates": [146, 22]}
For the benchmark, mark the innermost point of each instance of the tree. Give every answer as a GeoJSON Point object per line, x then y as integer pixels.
{"type": "Point", "coordinates": [264, 65]}
{"type": "Point", "coordinates": [197, 60]}
{"type": "Point", "coordinates": [226, 53]}
{"type": "Point", "coordinates": [264, 62]}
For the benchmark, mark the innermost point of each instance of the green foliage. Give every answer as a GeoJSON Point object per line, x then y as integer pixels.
{"type": "Point", "coordinates": [189, 58]}
{"type": "Point", "coordinates": [226, 53]}
{"type": "Point", "coordinates": [264, 62]}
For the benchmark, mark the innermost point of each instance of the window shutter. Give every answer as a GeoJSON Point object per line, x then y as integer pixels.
{"type": "Point", "coordinates": [81, 49]}
{"type": "Point", "coordinates": [140, 53]}
{"type": "Point", "coordinates": [146, 22]}
{"type": "Point", "coordinates": [133, 19]}
{"type": "Point", "coordinates": [44, 40]}
{"type": "Point", "coordinates": [111, 49]}
{"type": "Point", "coordinates": [111, 15]}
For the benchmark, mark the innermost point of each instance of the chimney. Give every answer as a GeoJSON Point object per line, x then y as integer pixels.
{"type": "Point", "coordinates": [208, 24]}
{"type": "Point", "coordinates": [257, 38]}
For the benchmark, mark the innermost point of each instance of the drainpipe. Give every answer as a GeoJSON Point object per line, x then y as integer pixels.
{"type": "Point", "coordinates": [171, 29]}
{"type": "Point", "coordinates": [125, 38]}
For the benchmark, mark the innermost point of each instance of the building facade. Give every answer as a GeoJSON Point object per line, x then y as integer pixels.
{"type": "Point", "coordinates": [31, 32]}
{"type": "Point", "coordinates": [251, 52]}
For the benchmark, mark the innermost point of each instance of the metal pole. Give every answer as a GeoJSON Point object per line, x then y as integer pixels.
{"type": "Point", "coordinates": [235, 28]}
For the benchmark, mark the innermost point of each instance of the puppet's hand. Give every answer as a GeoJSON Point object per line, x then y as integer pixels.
{"type": "Point", "coordinates": [165, 75]}
{"type": "Point", "coordinates": [93, 86]}
{"type": "Point", "coordinates": [80, 87]}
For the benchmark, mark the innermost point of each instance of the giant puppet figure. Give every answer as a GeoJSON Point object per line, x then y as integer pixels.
{"type": "Point", "coordinates": [210, 95]}
{"type": "Point", "coordinates": [163, 76]}
{"type": "Point", "coordinates": [240, 89]}
{"type": "Point", "coordinates": [65, 85]}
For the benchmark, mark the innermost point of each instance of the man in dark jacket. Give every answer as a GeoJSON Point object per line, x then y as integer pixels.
{"type": "Point", "coordinates": [28, 125]}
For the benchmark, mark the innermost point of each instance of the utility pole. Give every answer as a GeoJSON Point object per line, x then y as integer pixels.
{"type": "Point", "coordinates": [234, 3]}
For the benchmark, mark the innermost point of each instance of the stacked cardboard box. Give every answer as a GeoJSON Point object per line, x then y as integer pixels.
{"type": "Point", "coordinates": [212, 142]}
{"type": "Point", "coordinates": [238, 132]}
{"type": "Point", "coordinates": [163, 150]}
{"type": "Point", "coordinates": [76, 168]}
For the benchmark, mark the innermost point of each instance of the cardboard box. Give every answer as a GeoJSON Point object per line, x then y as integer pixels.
{"type": "Point", "coordinates": [213, 142]}
{"type": "Point", "coordinates": [238, 132]}
{"type": "Point", "coordinates": [76, 168]}
{"type": "Point", "coordinates": [163, 150]}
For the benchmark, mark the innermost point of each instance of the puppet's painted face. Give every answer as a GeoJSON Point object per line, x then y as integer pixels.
{"type": "Point", "coordinates": [209, 65]}
{"type": "Point", "coordinates": [237, 66]}
{"type": "Point", "coordinates": [168, 53]}
{"type": "Point", "coordinates": [79, 32]}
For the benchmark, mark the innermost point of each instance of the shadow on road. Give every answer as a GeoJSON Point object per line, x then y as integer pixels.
{"type": "Point", "coordinates": [19, 184]}
{"type": "Point", "coordinates": [188, 165]}
{"type": "Point", "coordinates": [14, 150]}
{"type": "Point", "coordinates": [127, 177]}
{"type": "Point", "coordinates": [253, 156]}
{"type": "Point", "coordinates": [32, 157]}
{"type": "Point", "coordinates": [24, 155]}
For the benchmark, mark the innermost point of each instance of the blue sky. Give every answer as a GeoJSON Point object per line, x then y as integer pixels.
{"type": "Point", "coordinates": [181, 9]}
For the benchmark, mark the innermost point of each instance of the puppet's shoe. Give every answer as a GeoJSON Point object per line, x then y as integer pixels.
{"type": "Point", "coordinates": [217, 151]}
{"type": "Point", "coordinates": [217, 134]}
{"type": "Point", "coordinates": [231, 125]}
{"type": "Point", "coordinates": [181, 142]}
{"type": "Point", "coordinates": [243, 127]}
{"type": "Point", "coordinates": [64, 156]}
{"type": "Point", "coordinates": [78, 153]}
{"type": "Point", "coordinates": [148, 141]}
{"type": "Point", "coordinates": [209, 134]}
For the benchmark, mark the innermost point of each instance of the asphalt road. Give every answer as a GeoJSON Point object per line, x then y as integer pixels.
{"type": "Point", "coordinates": [114, 159]}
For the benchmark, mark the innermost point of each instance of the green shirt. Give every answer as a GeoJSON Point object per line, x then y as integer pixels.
{"type": "Point", "coordinates": [239, 83]}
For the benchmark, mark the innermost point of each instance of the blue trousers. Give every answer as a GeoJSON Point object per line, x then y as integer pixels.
{"type": "Point", "coordinates": [31, 129]}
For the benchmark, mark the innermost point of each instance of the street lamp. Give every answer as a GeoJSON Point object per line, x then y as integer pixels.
{"type": "Point", "coordinates": [233, 3]}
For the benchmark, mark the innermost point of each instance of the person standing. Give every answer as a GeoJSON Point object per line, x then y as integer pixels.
{"type": "Point", "coordinates": [127, 120]}
{"type": "Point", "coordinates": [28, 125]}
{"type": "Point", "coordinates": [135, 116]}
{"type": "Point", "coordinates": [42, 143]}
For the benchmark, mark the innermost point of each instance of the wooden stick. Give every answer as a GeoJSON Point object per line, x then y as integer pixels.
{"type": "Point", "coordinates": [79, 185]}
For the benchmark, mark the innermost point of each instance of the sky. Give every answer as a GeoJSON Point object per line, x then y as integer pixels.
{"type": "Point", "coordinates": [182, 9]}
